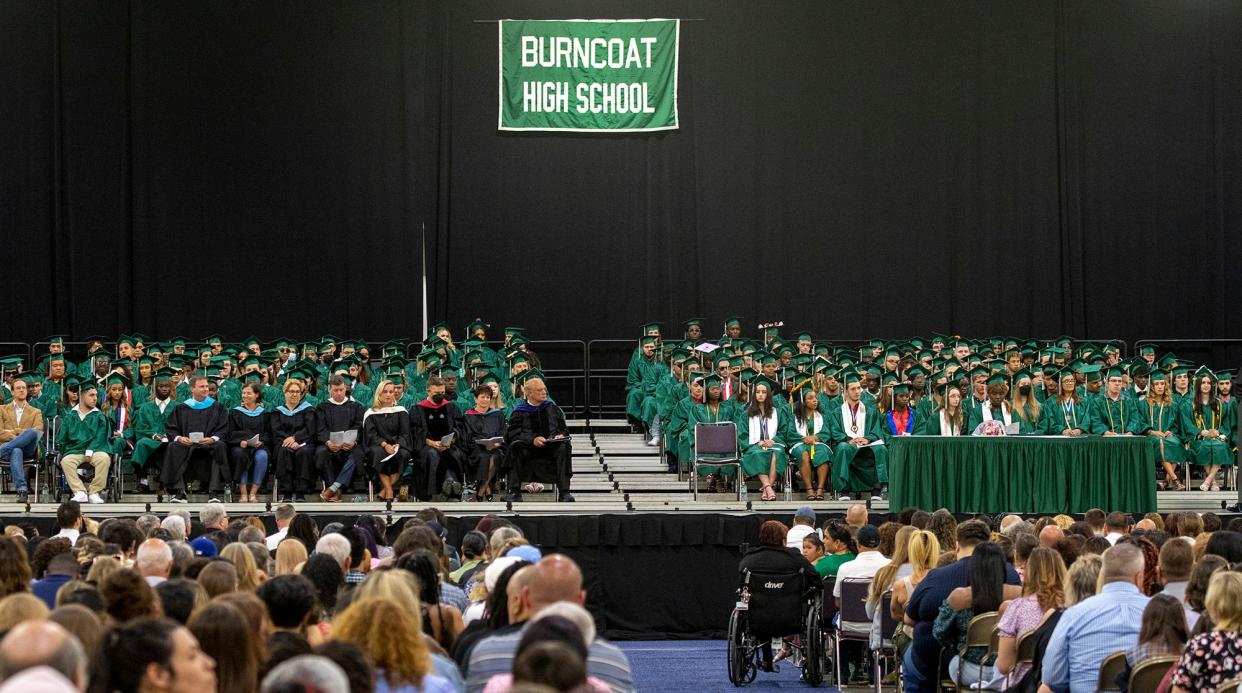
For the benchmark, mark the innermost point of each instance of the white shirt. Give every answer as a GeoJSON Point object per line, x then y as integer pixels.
{"type": "Point", "coordinates": [70, 534]}
{"type": "Point", "coordinates": [796, 534]}
{"type": "Point", "coordinates": [1112, 537]}
{"type": "Point", "coordinates": [274, 540]}
{"type": "Point", "coordinates": [154, 580]}
{"type": "Point", "coordinates": [865, 565]}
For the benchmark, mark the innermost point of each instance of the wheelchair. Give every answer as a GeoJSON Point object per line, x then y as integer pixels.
{"type": "Point", "coordinates": [774, 606]}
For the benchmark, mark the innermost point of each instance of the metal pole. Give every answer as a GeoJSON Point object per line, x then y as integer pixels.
{"type": "Point", "coordinates": [422, 246]}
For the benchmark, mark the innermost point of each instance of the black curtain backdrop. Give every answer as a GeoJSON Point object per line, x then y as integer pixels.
{"type": "Point", "coordinates": [854, 168]}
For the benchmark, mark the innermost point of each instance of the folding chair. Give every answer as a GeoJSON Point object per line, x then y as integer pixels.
{"type": "Point", "coordinates": [981, 632]}
{"type": "Point", "coordinates": [718, 439]}
{"type": "Point", "coordinates": [1230, 687]}
{"type": "Point", "coordinates": [885, 650]}
{"type": "Point", "coordinates": [1147, 676]}
{"type": "Point", "coordinates": [854, 624]}
{"type": "Point", "coordinates": [1112, 665]}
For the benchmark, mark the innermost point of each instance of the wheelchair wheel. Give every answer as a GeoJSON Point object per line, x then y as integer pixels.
{"type": "Point", "coordinates": [740, 655]}
{"type": "Point", "coordinates": [813, 648]}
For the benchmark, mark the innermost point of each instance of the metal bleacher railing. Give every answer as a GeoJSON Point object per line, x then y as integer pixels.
{"type": "Point", "coordinates": [587, 377]}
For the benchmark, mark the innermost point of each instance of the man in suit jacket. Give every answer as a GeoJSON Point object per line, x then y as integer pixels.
{"type": "Point", "coordinates": [21, 426]}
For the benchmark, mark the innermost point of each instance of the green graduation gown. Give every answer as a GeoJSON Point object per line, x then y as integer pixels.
{"type": "Point", "coordinates": [696, 413]}
{"type": "Point", "coordinates": [931, 426]}
{"type": "Point", "coordinates": [820, 454]}
{"type": "Point", "coordinates": [1027, 420]}
{"type": "Point", "coordinates": [1120, 417]}
{"type": "Point", "coordinates": [1056, 420]}
{"type": "Point", "coordinates": [975, 416]}
{"type": "Point", "coordinates": [780, 429]}
{"type": "Point", "coordinates": [1204, 451]}
{"type": "Point", "coordinates": [850, 472]}
{"type": "Point", "coordinates": [1162, 418]}
{"type": "Point", "coordinates": [149, 423]}
{"type": "Point", "coordinates": [79, 433]}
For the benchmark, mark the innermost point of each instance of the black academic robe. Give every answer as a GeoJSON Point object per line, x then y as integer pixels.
{"type": "Point", "coordinates": [212, 422]}
{"type": "Point", "coordinates": [431, 420]}
{"type": "Point", "coordinates": [294, 467]}
{"type": "Point", "coordinates": [330, 417]}
{"type": "Point", "coordinates": [524, 461]}
{"type": "Point", "coordinates": [481, 427]}
{"type": "Point", "coordinates": [392, 427]}
{"type": "Point", "coordinates": [242, 426]}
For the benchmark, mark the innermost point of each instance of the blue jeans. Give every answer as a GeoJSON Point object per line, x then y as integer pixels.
{"type": "Point", "coordinates": [17, 451]}
{"type": "Point", "coordinates": [915, 681]}
{"type": "Point", "coordinates": [256, 473]}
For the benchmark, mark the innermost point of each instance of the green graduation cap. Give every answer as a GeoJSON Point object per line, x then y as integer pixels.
{"type": "Point", "coordinates": [850, 376]}
{"type": "Point", "coordinates": [476, 324]}
{"type": "Point", "coordinates": [1158, 375]}
{"type": "Point", "coordinates": [30, 377]}
{"type": "Point", "coordinates": [1114, 372]}
{"type": "Point", "coordinates": [489, 377]}
{"type": "Point", "coordinates": [1205, 371]}
{"type": "Point", "coordinates": [522, 377]}
{"type": "Point", "coordinates": [747, 374]}
{"type": "Point", "coordinates": [396, 376]}
{"type": "Point", "coordinates": [692, 322]}
{"type": "Point", "coordinates": [1224, 376]}
{"type": "Point", "coordinates": [914, 371]}
{"type": "Point", "coordinates": [998, 379]}
{"type": "Point", "coordinates": [116, 379]}
{"type": "Point", "coordinates": [56, 339]}
{"type": "Point", "coordinates": [1093, 373]}
{"type": "Point", "coordinates": [511, 331]}
{"type": "Point", "coordinates": [651, 328]}
{"type": "Point", "coordinates": [650, 339]}
{"type": "Point", "coordinates": [711, 380]}
{"type": "Point", "coordinates": [1147, 349]}
{"type": "Point", "coordinates": [902, 388]}
{"type": "Point", "coordinates": [733, 321]}
{"type": "Point", "coordinates": [765, 381]}
{"type": "Point", "coordinates": [1020, 375]}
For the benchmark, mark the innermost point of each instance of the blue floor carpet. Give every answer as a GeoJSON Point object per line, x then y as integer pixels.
{"type": "Point", "coordinates": [686, 666]}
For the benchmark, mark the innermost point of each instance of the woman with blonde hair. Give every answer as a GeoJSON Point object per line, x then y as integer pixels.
{"type": "Point", "coordinates": [1043, 591]}
{"type": "Point", "coordinates": [290, 555]}
{"type": "Point", "coordinates": [1162, 429]}
{"type": "Point", "coordinates": [21, 606]}
{"type": "Point", "coordinates": [923, 553]}
{"type": "Point", "coordinates": [391, 635]}
{"type": "Point", "coordinates": [1082, 579]}
{"type": "Point", "coordinates": [388, 440]}
{"type": "Point", "coordinates": [1213, 658]}
{"type": "Point", "coordinates": [898, 567]}
{"type": "Point", "coordinates": [248, 577]}
{"type": "Point", "coordinates": [101, 568]}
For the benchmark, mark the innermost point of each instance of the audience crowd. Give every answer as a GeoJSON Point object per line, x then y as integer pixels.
{"type": "Point", "coordinates": [213, 603]}
{"type": "Point", "coordinates": [1068, 594]}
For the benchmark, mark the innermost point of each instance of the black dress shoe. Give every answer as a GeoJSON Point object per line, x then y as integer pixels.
{"type": "Point", "coordinates": [513, 497]}
{"type": "Point", "coordinates": [23, 496]}
{"type": "Point", "coordinates": [564, 497]}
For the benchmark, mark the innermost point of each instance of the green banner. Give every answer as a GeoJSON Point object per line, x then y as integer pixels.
{"type": "Point", "coordinates": [580, 75]}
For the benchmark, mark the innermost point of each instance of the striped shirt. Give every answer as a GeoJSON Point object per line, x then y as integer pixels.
{"type": "Point", "coordinates": [1090, 631]}
{"type": "Point", "coordinates": [494, 655]}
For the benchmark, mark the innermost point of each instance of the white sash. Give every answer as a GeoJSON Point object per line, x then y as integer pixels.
{"type": "Point", "coordinates": [755, 428]}
{"type": "Point", "coordinates": [946, 425]}
{"type": "Point", "coordinates": [987, 413]}
{"type": "Point", "coordinates": [801, 425]}
{"type": "Point", "coordinates": [860, 421]}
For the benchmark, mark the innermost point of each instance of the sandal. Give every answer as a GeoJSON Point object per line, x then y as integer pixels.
{"type": "Point", "coordinates": [767, 488]}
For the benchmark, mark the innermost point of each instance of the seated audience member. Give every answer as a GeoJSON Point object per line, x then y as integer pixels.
{"type": "Point", "coordinates": [82, 623]}
{"type": "Point", "coordinates": [392, 637]}
{"type": "Point", "coordinates": [43, 644]}
{"type": "Point", "coordinates": [225, 635]}
{"type": "Point", "coordinates": [534, 427]}
{"type": "Point", "coordinates": [307, 672]}
{"type": "Point", "coordinates": [1163, 632]}
{"type": "Point", "coordinates": [290, 601]}
{"type": "Point", "coordinates": [1043, 592]}
{"type": "Point", "coordinates": [1093, 629]}
{"type": "Point", "coordinates": [61, 569]}
{"type": "Point", "coordinates": [1116, 526]}
{"type": "Point", "coordinates": [150, 440]}
{"type": "Point", "coordinates": [21, 427]}
{"type": "Point", "coordinates": [154, 561]}
{"type": "Point", "coordinates": [336, 463]}
{"type": "Point", "coordinates": [1215, 657]}
{"type": "Point", "coordinates": [1176, 562]}
{"type": "Point", "coordinates": [83, 439]}
{"type": "Point", "coordinates": [924, 605]}
{"type": "Point", "coordinates": [865, 564]}
{"type": "Point", "coordinates": [839, 548]}
{"type": "Point", "coordinates": [984, 593]}
{"type": "Point", "coordinates": [199, 424]}
{"type": "Point", "coordinates": [557, 578]}
{"type": "Point", "coordinates": [353, 661]}
{"type": "Point", "coordinates": [553, 653]}
{"type": "Point", "coordinates": [923, 552]}
{"type": "Point", "coordinates": [803, 524]}
{"type": "Point", "coordinates": [180, 598]}
{"type": "Point", "coordinates": [151, 655]}
{"type": "Point", "coordinates": [445, 619]}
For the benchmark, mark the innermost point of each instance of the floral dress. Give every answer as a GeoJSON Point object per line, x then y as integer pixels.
{"type": "Point", "coordinates": [1210, 660]}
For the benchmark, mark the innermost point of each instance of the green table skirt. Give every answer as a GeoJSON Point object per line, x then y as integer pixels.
{"type": "Point", "coordinates": [1022, 474]}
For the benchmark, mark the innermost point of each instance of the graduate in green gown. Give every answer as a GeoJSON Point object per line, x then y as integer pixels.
{"type": "Point", "coordinates": [148, 432]}
{"type": "Point", "coordinates": [115, 406]}
{"type": "Point", "coordinates": [811, 452]}
{"type": "Point", "coordinates": [1068, 414]}
{"type": "Point", "coordinates": [859, 459]}
{"type": "Point", "coordinates": [641, 378]}
{"type": "Point", "coordinates": [1229, 408]}
{"type": "Point", "coordinates": [765, 433]}
{"type": "Point", "coordinates": [713, 409]}
{"type": "Point", "coordinates": [1117, 415]}
{"type": "Point", "coordinates": [1025, 404]}
{"type": "Point", "coordinates": [678, 420]}
{"type": "Point", "coordinates": [1202, 423]}
{"type": "Point", "coordinates": [1161, 423]}
{"type": "Point", "coordinates": [996, 408]}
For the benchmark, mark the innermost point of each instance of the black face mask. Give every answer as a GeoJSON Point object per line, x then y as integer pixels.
{"type": "Point", "coordinates": [1024, 390]}
{"type": "Point", "coordinates": [437, 398]}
